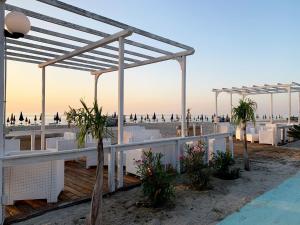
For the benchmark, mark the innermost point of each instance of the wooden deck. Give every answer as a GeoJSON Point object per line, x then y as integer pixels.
{"type": "Point", "coordinates": [79, 184]}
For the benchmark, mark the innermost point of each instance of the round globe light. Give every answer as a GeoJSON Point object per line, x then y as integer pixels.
{"type": "Point", "coordinates": [17, 22]}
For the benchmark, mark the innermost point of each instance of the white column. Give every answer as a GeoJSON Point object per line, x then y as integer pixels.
{"type": "Point", "coordinates": [216, 103]}
{"type": "Point", "coordinates": [230, 106]}
{"type": "Point", "coordinates": [2, 119]}
{"type": "Point", "coordinates": [299, 108]}
{"type": "Point", "coordinates": [96, 87]}
{"type": "Point", "coordinates": [290, 105]}
{"type": "Point", "coordinates": [120, 110]}
{"type": "Point", "coordinates": [43, 108]}
{"type": "Point", "coordinates": [271, 108]}
{"type": "Point", "coordinates": [182, 62]}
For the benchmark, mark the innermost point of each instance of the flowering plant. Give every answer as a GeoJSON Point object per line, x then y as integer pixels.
{"type": "Point", "coordinates": [156, 179]}
{"type": "Point", "coordinates": [194, 165]}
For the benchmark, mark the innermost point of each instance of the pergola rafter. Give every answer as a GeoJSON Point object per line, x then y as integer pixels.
{"type": "Point", "coordinates": [278, 88]}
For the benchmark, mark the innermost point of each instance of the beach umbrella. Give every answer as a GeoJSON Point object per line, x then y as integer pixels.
{"type": "Point", "coordinates": [21, 117]}
{"type": "Point", "coordinates": [26, 120]}
{"type": "Point", "coordinates": [41, 117]}
{"type": "Point", "coordinates": [56, 117]}
{"type": "Point", "coordinates": [154, 117]}
{"type": "Point", "coordinates": [29, 121]}
{"type": "Point", "coordinates": [142, 118]}
{"type": "Point", "coordinates": [163, 117]}
{"type": "Point", "coordinates": [131, 117]}
{"type": "Point", "coordinates": [35, 119]}
{"type": "Point", "coordinates": [14, 119]}
{"type": "Point", "coordinates": [135, 118]}
{"type": "Point", "coordinates": [7, 121]}
{"type": "Point", "coordinates": [172, 117]}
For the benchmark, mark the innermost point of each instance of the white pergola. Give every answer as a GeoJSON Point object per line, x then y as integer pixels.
{"type": "Point", "coordinates": [266, 89]}
{"type": "Point", "coordinates": [91, 56]}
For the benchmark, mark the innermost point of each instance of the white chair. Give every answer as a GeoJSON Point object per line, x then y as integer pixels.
{"type": "Point", "coordinates": [43, 180]}
{"type": "Point", "coordinates": [91, 160]}
{"type": "Point", "coordinates": [269, 135]}
{"type": "Point", "coordinates": [252, 136]}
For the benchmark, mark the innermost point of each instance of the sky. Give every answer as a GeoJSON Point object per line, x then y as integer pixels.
{"type": "Point", "coordinates": [237, 43]}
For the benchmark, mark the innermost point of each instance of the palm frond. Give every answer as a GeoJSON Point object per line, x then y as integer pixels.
{"type": "Point", "coordinates": [244, 112]}
{"type": "Point", "coordinates": [89, 121]}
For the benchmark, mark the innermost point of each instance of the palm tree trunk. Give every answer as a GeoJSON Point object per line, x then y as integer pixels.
{"type": "Point", "coordinates": [97, 203]}
{"type": "Point", "coordinates": [246, 157]}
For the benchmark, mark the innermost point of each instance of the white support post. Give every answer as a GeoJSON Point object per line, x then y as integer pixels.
{"type": "Point", "coordinates": [290, 105]}
{"type": "Point", "coordinates": [2, 95]}
{"type": "Point", "coordinates": [32, 140]}
{"type": "Point", "coordinates": [299, 108]}
{"type": "Point", "coordinates": [111, 170]}
{"type": "Point", "coordinates": [271, 108]}
{"type": "Point", "coordinates": [182, 62]}
{"type": "Point", "coordinates": [230, 106]}
{"type": "Point", "coordinates": [120, 110]}
{"type": "Point", "coordinates": [43, 108]}
{"type": "Point", "coordinates": [216, 104]}
{"type": "Point", "coordinates": [96, 88]}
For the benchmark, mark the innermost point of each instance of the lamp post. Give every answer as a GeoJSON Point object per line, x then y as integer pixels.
{"type": "Point", "coordinates": [17, 25]}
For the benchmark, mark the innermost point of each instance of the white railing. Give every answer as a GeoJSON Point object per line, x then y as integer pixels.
{"type": "Point", "coordinates": [113, 150]}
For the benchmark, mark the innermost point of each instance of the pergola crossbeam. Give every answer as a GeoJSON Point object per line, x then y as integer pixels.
{"type": "Point", "coordinates": [58, 50]}
{"type": "Point", "coordinates": [27, 56]}
{"type": "Point", "coordinates": [147, 62]}
{"type": "Point", "coordinates": [88, 47]}
{"type": "Point", "coordinates": [40, 53]}
{"type": "Point", "coordinates": [38, 62]}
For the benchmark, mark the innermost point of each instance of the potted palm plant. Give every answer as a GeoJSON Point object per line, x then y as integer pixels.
{"type": "Point", "coordinates": [243, 113]}
{"type": "Point", "coordinates": [92, 121]}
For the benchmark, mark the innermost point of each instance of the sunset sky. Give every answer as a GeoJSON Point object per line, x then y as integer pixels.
{"type": "Point", "coordinates": [237, 43]}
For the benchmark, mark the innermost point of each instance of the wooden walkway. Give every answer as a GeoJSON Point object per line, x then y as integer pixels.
{"type": "Point", "coordinates": [79, 184]}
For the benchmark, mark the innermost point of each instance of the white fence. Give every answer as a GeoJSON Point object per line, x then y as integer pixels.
{"type": "Point", "coordinates": [115, 178]}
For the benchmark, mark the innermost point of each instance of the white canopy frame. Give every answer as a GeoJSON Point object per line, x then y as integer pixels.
{"type": "Point", "coordinates": [36, 49]}
{"type": "Point", "coordinates": [278, 88]}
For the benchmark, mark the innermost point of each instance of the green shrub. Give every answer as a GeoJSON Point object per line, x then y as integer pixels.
{"type": "Point", "coordinates": [156, 179]}
{"type": "Point", "coordinates": [222, 163]}
{"type": "Point", "coordinates": [194, 165]}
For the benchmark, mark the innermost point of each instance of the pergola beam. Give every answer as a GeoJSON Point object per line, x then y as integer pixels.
{"type": "Point", "coordinates": [38, 62]}
{"type": "Point", "coordinates": [89, 47]}
{"type": "Point", "coordinates": [41, 53]}
{"type": "Point", "coordinates": [57, 50]}
{"type": "Point", "coordinates": [26, 56]}
{"type": "Point", "coordinates": [146, 62]}
{"type": "Point", "coordinates": [85, 13]}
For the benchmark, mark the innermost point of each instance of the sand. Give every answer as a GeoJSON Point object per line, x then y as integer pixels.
{"type": "Point", "coordinates": [270, 167]}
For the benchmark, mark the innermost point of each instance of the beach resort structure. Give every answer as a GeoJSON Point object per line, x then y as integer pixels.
{"type": "Point", "coordinates": [267, 89]}
{"type": "Point", "coordinates": [39, 174]}
{"type": "Point", "coordinates": [264, 133]}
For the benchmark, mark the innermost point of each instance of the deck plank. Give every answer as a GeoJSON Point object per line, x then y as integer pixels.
{"type": "Point", "coordinates": [79, 183]}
